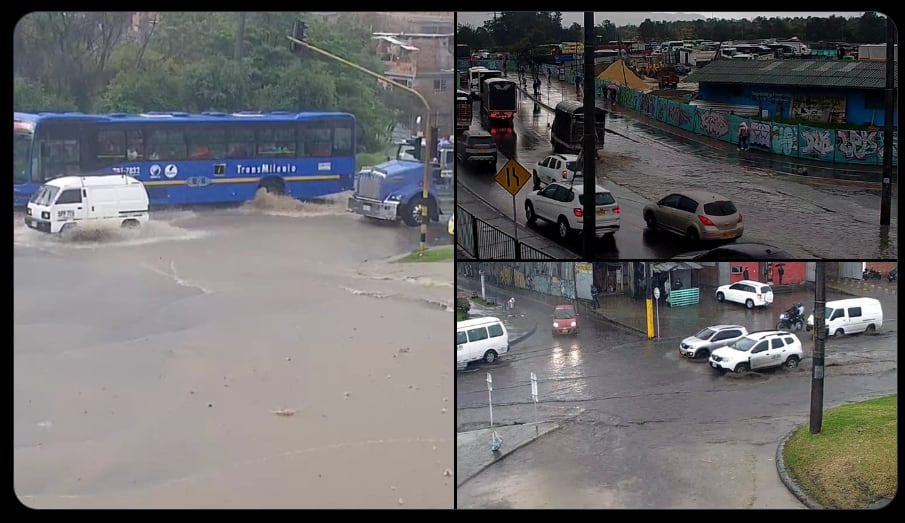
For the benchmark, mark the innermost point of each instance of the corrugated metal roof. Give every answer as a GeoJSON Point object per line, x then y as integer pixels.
{"type": "Point", "coordinates": [394, 41]}
{"type": "Point", "coordinates": [802, 73]}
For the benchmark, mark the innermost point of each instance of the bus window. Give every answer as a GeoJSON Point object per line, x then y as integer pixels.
{"type": "Point", "coordinates": [21, 151]}
{"type": "Point", "coordinates": [167, 144]}
{"type": "Point", "coordinates": [277, 142]}
{"type": "Point", "coordinates": [241, 142]}
{"type": "Point", "coordinates": [59, 158]}
{"type": "Point", "coordinates": [342, 138]}
{"type": "Point", "coordinates": [315, 139]}
{"type": "Point", "coordinates": [111, 145]}
{"type": "Point", "coordinates": [206, 142]}
{"type": "Point", "coordinates": [135, 146]}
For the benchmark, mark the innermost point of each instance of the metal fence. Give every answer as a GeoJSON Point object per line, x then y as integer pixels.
{"type": "Point", "coordinates": [482, 241]}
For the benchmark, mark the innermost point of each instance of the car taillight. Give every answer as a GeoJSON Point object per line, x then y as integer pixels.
{"type": "Point", "coordinates": [577, 212]}
{"type": "Point", "coordinates": [565, 174]}
{"type": "Point", "coordinates": [739, 217]}
{"type": "Point", "coordinates": [705, 220]}
{"type": "Point", "coordinates": [493, 131]}
{"type": "Point", "coordinates": [615, 210]}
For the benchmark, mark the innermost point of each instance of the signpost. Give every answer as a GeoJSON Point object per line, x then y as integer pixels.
{"type": "Point", "coordinates": [534, 397]}
{"type": "Point", "coordinates": [496, 441]}
{"type": "Point", "coordinates": [657, 298]}
{"type": "Point", "coordinates": [513, 177]}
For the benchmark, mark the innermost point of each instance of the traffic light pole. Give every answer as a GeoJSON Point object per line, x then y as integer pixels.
{"type": "Point", "coordinates": [425, 189]}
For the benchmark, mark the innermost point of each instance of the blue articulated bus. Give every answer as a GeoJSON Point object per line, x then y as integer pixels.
{"type": "Point", "coordinates": [188, 159]}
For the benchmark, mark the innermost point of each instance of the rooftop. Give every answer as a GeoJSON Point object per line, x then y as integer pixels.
{"type": "Point", "coordinates": [801, 73]}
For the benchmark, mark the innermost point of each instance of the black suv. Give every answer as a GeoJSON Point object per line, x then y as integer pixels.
{"type": "Point", "coordinates": [477, 146]}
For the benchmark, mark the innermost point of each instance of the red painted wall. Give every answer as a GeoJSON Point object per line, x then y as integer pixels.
{"type": "Point", "coordinates": [794, 272]}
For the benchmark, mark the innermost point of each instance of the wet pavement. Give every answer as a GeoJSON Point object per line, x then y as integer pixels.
{"type": "Point", "coordinates": [233, 358]}
{"type": "Point", "coordinates": [643, 427]}
{"type": "Point", "coordinates": [474, 449]}
{"type": "Point", "coordinates": [643, 160]}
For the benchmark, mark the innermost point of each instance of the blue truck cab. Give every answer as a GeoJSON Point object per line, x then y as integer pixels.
{"type": "Point", "coordinates": [393, 190]}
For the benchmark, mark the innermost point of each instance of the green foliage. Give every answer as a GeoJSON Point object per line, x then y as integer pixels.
{"type": "Point", "coordinates": [190, 61]}
{"type": "Point", "coordinates": [31, 96]}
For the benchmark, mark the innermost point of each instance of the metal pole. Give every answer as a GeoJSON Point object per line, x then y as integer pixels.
{"type": "Point", "coordinates": [886, 195]}
{"type": "Point", "coordinates": [589, 216]}
{"type": "Point", "coordinates": [514, 219]}
{"type": "Point", "coordinates": [820, 332]}
{"type": "Point", "coordinates": [427, 122]}
{"type": "Point", "coordinates": [658, 319]}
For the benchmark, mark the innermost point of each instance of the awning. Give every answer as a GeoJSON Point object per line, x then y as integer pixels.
{"type": "Point", "coordinates": [672, 266]}
{"type": "Point", "coordinates": [394, 41]}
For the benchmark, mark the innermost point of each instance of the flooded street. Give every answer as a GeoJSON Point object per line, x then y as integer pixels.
{"type": "Point", "coordinates": [267, 356]}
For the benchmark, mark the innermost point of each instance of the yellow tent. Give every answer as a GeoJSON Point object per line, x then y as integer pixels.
{"type": "Point", "coordinates": [618, 73]}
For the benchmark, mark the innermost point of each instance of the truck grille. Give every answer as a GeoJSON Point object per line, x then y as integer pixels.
{"type": "Point", "coordinates": [368, 184]}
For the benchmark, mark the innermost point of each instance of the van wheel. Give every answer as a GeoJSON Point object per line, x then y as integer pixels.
{"type": "Point", "coordinates": [67, 231]}
{"type": "Point", "coordinates": [792, 362]}
{"type": "Point", "coordinates": [749, 303]}
{"type": "Point", "coordinates": [489, 356]}
{"type": "Point", "coordinates": [131, 224]}
{"type": "Point", "coordinates": [870, 329]}
{"type": "Point", "coordinates": [839, 332]}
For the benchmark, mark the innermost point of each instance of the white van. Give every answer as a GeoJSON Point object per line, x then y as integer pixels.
{"type": "Point", "coordinates": [851, 316]}
{"type": "Point", "coordinates": [480, 339]}
{"type": "Point", "coordinates": [63, 203]}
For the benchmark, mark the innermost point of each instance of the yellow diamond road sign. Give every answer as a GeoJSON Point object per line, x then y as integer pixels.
{"type": "Point", "coordinates": [513, 177]}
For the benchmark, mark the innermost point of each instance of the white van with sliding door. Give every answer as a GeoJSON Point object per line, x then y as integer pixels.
{"type": "Point", "coordinates": [483, 338]}
{"type": "Point", "coordinates": [851, 316]}
{"type": "Point", "coordinates": [64, 203]}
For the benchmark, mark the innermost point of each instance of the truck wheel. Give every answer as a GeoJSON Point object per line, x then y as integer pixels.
{"type": "Point", "coordinates": [411, 212]}
{"type": "Point", "coordinates": [67, 231]}
{"type": "Point", "coordinates": [131, 224]}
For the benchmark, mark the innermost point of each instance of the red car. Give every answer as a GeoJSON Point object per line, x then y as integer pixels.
{"type": "Point", "coordinates": [565, 320]}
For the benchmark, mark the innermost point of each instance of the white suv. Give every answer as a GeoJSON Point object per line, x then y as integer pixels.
{"type": "Point", "coordinates": [563, 204]}
{"type": "Point", "coordinates": [758, 350]}
{"type": "Point", "coordinates": [710, 339]}
{"type": "Point", "coordinates": [555, 168]}
{"type": "Point", "coordinates": [751, 293]}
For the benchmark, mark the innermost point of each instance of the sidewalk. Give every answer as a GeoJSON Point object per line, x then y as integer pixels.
{"type": "Point", "coordinates": [473, 453]}
{"type": "Point", "coordinates": [817, 171]}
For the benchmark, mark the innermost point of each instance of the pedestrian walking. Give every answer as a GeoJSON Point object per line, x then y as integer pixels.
{"type": "Point", "coordinates": [595, 295]}
{"type": "Point", "coordinates": [745, 274]}
{"type": "Point", "coordinates": [780, 270]}
{"type": "Point", "coordinates": [743, 137]}
{"type": "Point", "coordinates": [512, 303]}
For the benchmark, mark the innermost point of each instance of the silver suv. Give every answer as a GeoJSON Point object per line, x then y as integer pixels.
{"type": "Point", "coordinates": [709, 339]}
{"type": "Point", "coordinates": [477, 146]}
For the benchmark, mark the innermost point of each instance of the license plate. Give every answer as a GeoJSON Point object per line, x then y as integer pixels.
{"type": "Point", "coordinates": [601, 212]}
{"type": "Point", "coordinates": [366, 207]}
{"type": "Point", "coordinates": [727, 235]}
{"type": "Point", "coordinates": [564, 331]}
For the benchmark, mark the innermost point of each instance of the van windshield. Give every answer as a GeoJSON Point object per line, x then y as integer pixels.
{"type": "Point", "coordinates": [45, 195]}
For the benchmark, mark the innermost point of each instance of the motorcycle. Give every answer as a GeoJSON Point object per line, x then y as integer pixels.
{"type": "Point", "coordinates": [893, 275]}
{"type": "Point", "coordinates": [871, 274]}
{"type": "Point", "coordinates": [792, 318]}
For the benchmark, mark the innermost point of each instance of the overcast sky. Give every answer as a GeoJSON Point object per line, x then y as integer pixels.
{"type": "Point", "coordinates": [477, 19]}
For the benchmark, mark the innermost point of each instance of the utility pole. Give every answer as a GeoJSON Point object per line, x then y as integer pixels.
{"type": "Point", "coordinates": [298, 43]}
{"type": "Point", "coordinates": [886, 195]}
{"type": "Point", "coordinates": [819, 343]}
{"type": "Point", "coordinates": [589, 215]}
{"type": "Point", "coordinates": [240, 36]}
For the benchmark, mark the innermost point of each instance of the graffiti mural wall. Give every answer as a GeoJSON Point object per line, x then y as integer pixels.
{"type": "Point", "coordinates": [814, 143]}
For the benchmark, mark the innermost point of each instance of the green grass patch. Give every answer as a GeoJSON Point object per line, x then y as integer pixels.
{"type": "Point", "coordinates": [461, 315]}
{"type": "Point", "coordinates": [851, 463]}
{"type": "Point", "coordinates": [436, 254]}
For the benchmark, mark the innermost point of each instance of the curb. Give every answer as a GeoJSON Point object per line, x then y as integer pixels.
{"type": "Point", "coordinates": [504, 456]}
{"type": "Point", "coordinates": [786, 478]}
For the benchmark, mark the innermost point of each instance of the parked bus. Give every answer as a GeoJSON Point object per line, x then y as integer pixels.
{"type": "Point", "coordinates": [568, 127]}
{"type": "Point", "coordinates": [185, 159]}
{"type": "Point", "coordinates": [463, 111]}
{"type": "Point", "coordinates": [499, 102]}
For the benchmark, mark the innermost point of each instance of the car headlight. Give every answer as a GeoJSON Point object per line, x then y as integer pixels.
{"type": "Point", "coordinates": [573, 323]}
{"type": "Point", "coordinates": [555, 324]}
{"type": "Point", "coordinates": [45, 215]}
{"type": "Point", "coordinates": [395, 197]}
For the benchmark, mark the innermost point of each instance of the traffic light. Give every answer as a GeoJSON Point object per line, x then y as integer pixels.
{"type": "Point", "coordinates": [299, 32]}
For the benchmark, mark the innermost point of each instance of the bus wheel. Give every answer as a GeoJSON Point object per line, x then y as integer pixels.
{"type": "Point", "coordinates": [273, 186]}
